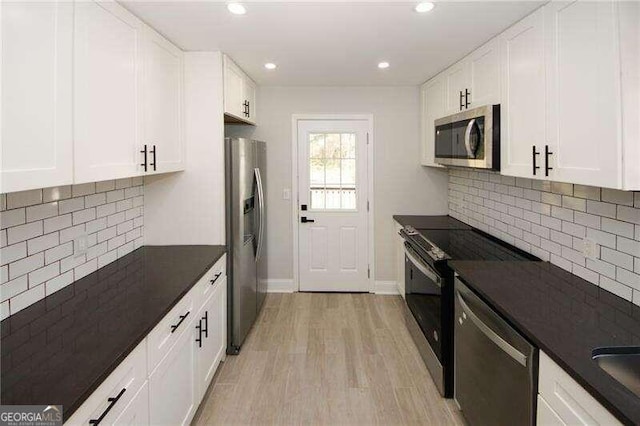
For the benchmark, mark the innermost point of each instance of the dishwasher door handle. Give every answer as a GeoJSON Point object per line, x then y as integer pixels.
{"type": "Point", "coordinates": [492, 335]}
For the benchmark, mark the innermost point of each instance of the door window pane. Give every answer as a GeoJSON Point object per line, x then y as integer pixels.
{"type": "Point", "coordinates": [332, 171]}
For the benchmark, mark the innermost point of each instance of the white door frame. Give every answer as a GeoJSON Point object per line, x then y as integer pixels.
{"type": "Point", "coordinates": [295, 199]}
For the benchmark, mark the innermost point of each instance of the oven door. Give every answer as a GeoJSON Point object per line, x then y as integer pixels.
{"type": "Point", "coordinates": [424, 298]}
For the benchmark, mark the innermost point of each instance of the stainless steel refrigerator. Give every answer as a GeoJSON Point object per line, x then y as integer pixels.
{"type": "Point", "coordinates": [246, 218]}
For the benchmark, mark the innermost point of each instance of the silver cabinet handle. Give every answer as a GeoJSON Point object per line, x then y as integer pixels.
{"type": "Point", "coordinates": [492, 335]}
{"type": "Point", "coordinates": [425, 269]}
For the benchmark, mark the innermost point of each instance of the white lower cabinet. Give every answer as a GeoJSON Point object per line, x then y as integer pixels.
{"type": "Point", "coordinates": [172, 385]}
{"type": "Point", "coordinates": [109, 401]}
{"type": "Point", "coordinates": [167, 388]}
{"type": "Point", "coordinates": [564, 401]}
{"type": "Point", "coordinates": [137, 412]}
{"type": "Point", "coordinates": [211, 334]}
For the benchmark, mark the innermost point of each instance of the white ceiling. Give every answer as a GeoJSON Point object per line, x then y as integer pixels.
{"type": "Point", "coordinates": [334, 43]}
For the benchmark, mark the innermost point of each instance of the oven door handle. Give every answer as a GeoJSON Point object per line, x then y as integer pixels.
{"type": "Point", "coordinates": [422, 267]}
{"type": "Point", "coordinates": [492, 335]}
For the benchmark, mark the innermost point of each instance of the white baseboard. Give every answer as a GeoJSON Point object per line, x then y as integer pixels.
{"type": "Point", "coordinates": [386, 287]}
{"type": "Point", "coordinates": [279, 286]}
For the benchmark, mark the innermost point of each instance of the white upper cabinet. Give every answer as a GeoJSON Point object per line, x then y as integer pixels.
{"type": "Point", "coordinates": [107, 89]}
{"type": "Point", "coordinates": [484, 72]}
{"type": "Point", "coordinates": [457, 79]}
{"type": "Point", "coordinates": [564, 94]}
{"type": "Point", "coordinates": [583, 92]}
{"type": "Point", "coordinates": [163, 111]}
{"type": "Point", "coordinates": [36, 121]}
{"type": "Point", "coordinates": [522, 111]}
{"type": "Point", "coordinates": [239, 94]}
{"type": "Point", "coordinates": [433, 98]}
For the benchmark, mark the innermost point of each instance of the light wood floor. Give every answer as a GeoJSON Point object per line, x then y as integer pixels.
{"type": "Point", "coordinates": [332, 359]}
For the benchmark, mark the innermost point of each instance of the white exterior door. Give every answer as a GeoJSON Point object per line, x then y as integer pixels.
{"type": "Point", "coordinates": [333, 217]}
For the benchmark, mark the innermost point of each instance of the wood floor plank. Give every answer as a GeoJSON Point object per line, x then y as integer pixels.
{"type": "Point", "coordinates": [327, 359]}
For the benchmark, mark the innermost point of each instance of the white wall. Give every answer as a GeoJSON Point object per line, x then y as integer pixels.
{"type": "Point", "coordinates": [188, 207]}
{"type": "Point", "coordinates": [401, 185]}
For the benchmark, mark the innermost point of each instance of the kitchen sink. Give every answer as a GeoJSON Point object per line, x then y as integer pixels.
{"type": "Point", "coordinates": [622, 363]}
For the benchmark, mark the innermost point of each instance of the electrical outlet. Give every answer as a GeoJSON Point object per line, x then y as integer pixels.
{"type": "Point", "coordinates": [80, 245]}
{"type": "Point", "coordinates": [286, 194]}
{"type": "Point", "coordinates": [589, 249]}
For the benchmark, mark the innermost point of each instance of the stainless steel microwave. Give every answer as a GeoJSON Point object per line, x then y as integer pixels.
{"type": "Point", "coordinates": [469, 139]}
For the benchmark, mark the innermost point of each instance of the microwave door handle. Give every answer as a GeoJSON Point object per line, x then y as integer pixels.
{"type": "Point", "coordinates": [467, 137]}
{"type": "Point", "coordinates": [492, 335]}
{"type": "Point", "coordinates": [423, 268]}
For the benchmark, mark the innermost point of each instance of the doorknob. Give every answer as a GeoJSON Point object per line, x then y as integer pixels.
{"type": "Point", "coordinates": [304, 219]}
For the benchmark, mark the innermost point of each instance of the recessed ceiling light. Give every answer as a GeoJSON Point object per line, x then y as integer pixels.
{"type": "Point", "coordinates": [270, 66]}
{"type": "Point", "coordinates": [383, 65]}
{"type": "Point", "coordinates": [424, 7]}
{"type": "Point", "coordinates": [236, 8]}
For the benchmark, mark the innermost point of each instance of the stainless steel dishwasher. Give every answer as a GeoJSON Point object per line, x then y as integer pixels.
{"type": "Point", "coordinates": [494, 365]}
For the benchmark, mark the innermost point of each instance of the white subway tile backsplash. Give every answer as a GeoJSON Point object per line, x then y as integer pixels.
{"type": "Point", "coordinates": [13, 287]}
{"type": "Point", "coordinates": [26, 265]}
{"type": "Point", "coordinates": [601, 209]}
{"type": "Point", "coordinates": [56, 193]}
{"type": "Point", "coordinates": [42, 211]}
{"type": "Point", "coordinates": [59, 252]}
{"type": "Point", "coordinates": [42, 243]}
{"type": "Point", "coordinates": [71, 205]}
{"type": "Point", "coordinates": [57, 223]}
{"type": "Point", "coordinates": [24, 198]}
{"type": "Point", "coordinates": [551, 221]}
{"type": "Point", "coordinates": [24, 232]}
{"type": "Point", "coordinates": [83, 189]}
{"type": "Point", "coordinates": [629, 214]}
{"type": "Point", "coordinates": [11, 218]}
{"type": "Point", "coordinates": [617, 197]}
{"type": "Point", "coordinates": [38, 229]}
{"type": "Point", "coordinates": [617, 227]}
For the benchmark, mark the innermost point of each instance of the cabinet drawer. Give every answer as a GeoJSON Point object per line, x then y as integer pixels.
{"type": "Point", "coordinates": [209, 281]}
{"type": "Point", "coordinates": [169, 329]}
{"type": "Point", "coordinates": [572, 404]}
{"type": "Point", "coordinates": [122, 385]}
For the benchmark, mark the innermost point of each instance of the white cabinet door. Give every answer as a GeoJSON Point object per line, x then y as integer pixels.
{"type": "Point", "coordinates": [568, 400]}
{"type": "Point", "coordinates": [107, 92]}
{"type": "Point", "coordinates": [457, 79]}
{"type": "Point", "coordinates": [233, 87]}
{"type": "Point", "coordinates": [137, 412]}
{"type": "Point", "coordinates": [212, 335]}
{"type": "Point", "coordinates": [484, 68]}
{"type": "Point", "coordinates": [172, 386]}
{"type": "Point", "coordinates": [523, 110]}
{"type": "Point", "coordinates": [249, 96]}
{"type": "Point", "coordinates": [434, 106]}
{"type": "Point", "coordinates": [36, 123]}
{"type": "Point", "coordinates": [163, 104]}
{"type": "Point", "coordinates": [583, 92]}
{"type": "Point", "coordinates": [545, 416]}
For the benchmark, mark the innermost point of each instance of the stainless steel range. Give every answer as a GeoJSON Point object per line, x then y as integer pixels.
{"type": "Point", "coordinates": [429, 287]}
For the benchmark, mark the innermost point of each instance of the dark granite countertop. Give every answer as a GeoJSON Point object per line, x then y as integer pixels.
{"type": "Point", "coordinates": [430, 222]}
{"type": "Point", "coordinates": [59, 350]}
{"type": "Point", "coordinates": [564, 316]}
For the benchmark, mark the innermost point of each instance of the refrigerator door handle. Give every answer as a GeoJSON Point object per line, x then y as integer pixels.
{"type": "Point", "coordinates": [261, 207]}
